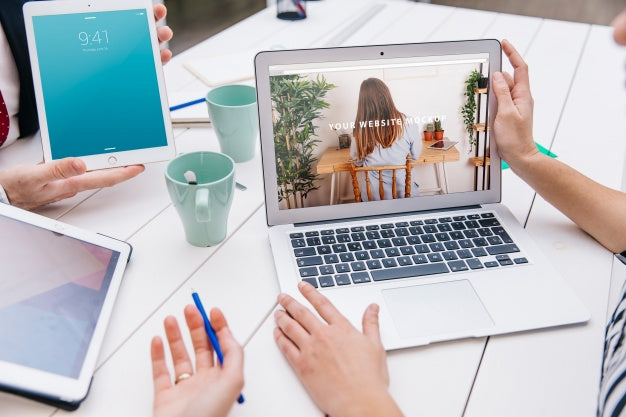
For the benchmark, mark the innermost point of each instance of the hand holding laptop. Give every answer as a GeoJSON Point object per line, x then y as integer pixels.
{"type": "Point", "coordinates": [329, 357]}
{"type": "Point", "coordinates": [513, 125]}
{"type": "Point", "coordinates": [578, 197]}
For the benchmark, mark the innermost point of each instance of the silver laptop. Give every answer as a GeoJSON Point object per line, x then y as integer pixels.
{"type": "Point", "coordinates": [416, 229]}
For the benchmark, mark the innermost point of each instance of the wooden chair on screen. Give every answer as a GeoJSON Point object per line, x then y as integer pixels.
{"type": "Point", "coordinates": [381, 191]}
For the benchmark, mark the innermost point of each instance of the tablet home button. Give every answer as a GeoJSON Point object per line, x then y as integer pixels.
{"type": "Point", "coordinates": [112, 160]}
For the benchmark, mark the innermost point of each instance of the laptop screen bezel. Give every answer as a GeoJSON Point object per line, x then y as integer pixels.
{"type": "Point", "coordinates": [264, 60]}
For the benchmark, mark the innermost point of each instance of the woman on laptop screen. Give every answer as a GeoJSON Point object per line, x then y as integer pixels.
{"type": "Point", "coordinates": [382, 138]}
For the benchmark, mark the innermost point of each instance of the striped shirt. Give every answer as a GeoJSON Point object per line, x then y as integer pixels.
{"type": "Point", "coordinates": [612, 397]}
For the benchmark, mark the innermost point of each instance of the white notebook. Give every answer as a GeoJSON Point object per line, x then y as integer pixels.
{"type": "Point", "coordinates": [223, 69]}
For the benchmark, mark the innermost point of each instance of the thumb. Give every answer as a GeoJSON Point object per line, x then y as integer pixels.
{"type": "Point", "coordinates": [502, 91]}
{"type": "Point", "coordinates": [58, 170]}
{"type": "Point", "coordinates": [370, 323]}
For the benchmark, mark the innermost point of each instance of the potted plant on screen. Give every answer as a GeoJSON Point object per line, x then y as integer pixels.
{"type": "Point", "coordinates": [438, 129]}
{"type": "Point", "coordinates": [428, 131]}
{"type": "Point", "coordinates": [468, 111]}
{"type": "Point", "coordinates": [297, 103]}
{"type": "Point", "coordinates": [343, 138]}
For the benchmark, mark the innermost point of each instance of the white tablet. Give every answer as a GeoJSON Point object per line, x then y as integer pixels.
{"type": "Point", "coordinates": [443, 145]}
{"type": "Point", "coordinates": [57, 289]}
{"type": "Point", "coordinates": [99, 81]}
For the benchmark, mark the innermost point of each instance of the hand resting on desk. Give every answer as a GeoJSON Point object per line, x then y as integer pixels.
{"type": "Point", "coordinates": [329, 357]}
{"type": "Point", "coordinates": [212, 389]}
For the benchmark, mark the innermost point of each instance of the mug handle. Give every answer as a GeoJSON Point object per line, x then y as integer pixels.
{"type": "Point", "coordinates": [203, 212]}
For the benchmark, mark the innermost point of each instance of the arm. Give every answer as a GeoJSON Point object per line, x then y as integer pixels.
{"type": "Point", "coordinates": [329, 357]}
{"type": "Point", "coordinates": [596, 209]}
{"type": "Point", "coordinates": [212, 389]}
{"type": "Point", "coordinates": [416, 141]}
{"type": "Point", "coordinates": [353, 152]}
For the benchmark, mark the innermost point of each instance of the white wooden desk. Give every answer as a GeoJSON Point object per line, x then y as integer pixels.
{"type": "Point", "coordinates": [577, 80]}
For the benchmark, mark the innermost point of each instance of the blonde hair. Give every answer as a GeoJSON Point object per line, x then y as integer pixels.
{"type": "Point", "coordinates": [376, 104]}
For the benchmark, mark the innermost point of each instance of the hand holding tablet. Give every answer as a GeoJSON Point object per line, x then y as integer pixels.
{"type": "Point", "coordinates": [99, 82]}
{"type": "Point", "coordinates": [32, 186]}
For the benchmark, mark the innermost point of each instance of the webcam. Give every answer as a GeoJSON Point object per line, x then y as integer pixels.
{"type": "Point", "coordinates": [382, 53]}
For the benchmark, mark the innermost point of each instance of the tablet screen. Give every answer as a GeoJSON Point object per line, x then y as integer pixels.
{"type": "Point", "coordinates": [99, 82]}
{"type": "Point", "coordinates": [52, 288]}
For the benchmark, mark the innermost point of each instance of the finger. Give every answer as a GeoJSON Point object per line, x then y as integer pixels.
{"type": "Point", "coordinates": [299, 313]}
{"type": "Point", "coordinates": [164, 34]}
{"type": "Point", "coordinates": [291, 328]}
{"type": "Point", "coordinates": [371, 327]}
{"type": "Point", "coordinates": [321, 304]}
{"type": "Point", "coordinates": [160, 11]}
{"type": "Point", "coordinates": [166, 55]}
{"type": "Point", "coordinates": [286, 346]}
{"type": "Point", "coordinates": [182, 364]}
{"type": "Point", "coordinates": [160, 373]}
{"type": "Point", "coordinates": [520, 69]}
{"type": "Point", "coordinates": [233, 352]}
{"type": "Point", "coordinates": [94, 180]}
{"type": "Point", "coordinates": [619, 28]}
{"type": "Point", "coordinates": [107, 177]}
{"type": "Point", "coordinates": [56, 190]}
{"type": "Point", "coordinates": [502, 92]}
{"type": "Point", "coordinates": [58, 170]}
{"type": "Point", "coordinates": [509, 79]}
{"type": "Point", "coordinates": [199, 338]}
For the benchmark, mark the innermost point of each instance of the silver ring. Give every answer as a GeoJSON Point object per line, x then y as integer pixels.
{"type": "Point", "coordinates": [182, 377]}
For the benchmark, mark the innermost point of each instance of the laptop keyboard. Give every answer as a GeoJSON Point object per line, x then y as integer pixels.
{"type": "Point", "coordinates": [340, 256]}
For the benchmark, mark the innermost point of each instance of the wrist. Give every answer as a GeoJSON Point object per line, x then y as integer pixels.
{"type": "Point", "coordinates": [522, 157]}
{"type": "Point", "coordinates": [379, 404]}
{"type": "Point", "coordinates": [4, 198]}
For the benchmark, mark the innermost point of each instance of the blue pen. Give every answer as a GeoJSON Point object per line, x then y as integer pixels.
{"type": "Point", "coordinates": [211, 333]}
{"type": "Point", "coordinates": [187, 104]}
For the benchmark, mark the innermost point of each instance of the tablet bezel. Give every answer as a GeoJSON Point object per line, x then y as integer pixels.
{"type": "Point", "coordinates": [104, 160]}
{"type": "Point", "coordinates": [53, 387]}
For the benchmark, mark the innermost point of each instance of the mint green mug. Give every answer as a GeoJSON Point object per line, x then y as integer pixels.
{"type": "Point", "coordinates": [203, 207]}
{"type": "Point", "coordinates": [234, 117]}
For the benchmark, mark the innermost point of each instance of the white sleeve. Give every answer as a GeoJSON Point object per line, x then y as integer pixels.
{"type": "Point", "coordinates": [415, 140]}
{"type": "Point", "coordinates": [3, 196]}
{"type": "Point", "coordinates": [353, 153]}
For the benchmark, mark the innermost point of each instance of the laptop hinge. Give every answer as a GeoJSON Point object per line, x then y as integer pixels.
{"type": "Point", "coordinates": [383, 216]}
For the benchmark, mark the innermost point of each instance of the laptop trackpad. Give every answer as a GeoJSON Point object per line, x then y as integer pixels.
{"type": "Point", "coordinates": [436, 309]}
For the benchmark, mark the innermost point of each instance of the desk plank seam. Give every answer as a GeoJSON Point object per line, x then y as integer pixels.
{"type": "Point", "coordinates": [567, 95]}
{"type": "Point", "coordinates": [158, 307]}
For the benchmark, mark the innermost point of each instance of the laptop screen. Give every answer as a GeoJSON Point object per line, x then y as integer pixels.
{"type": "Point", "coordinates": [370, 130]}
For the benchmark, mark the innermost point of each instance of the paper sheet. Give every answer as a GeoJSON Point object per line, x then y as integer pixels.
{"type": "Point", "coordinates": [223, 69]}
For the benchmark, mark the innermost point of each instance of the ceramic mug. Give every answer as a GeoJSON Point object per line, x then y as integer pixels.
{"type": "Point", "coordinates": [234, 116]}
{"type": "Point", "coordinates": [203, 207]}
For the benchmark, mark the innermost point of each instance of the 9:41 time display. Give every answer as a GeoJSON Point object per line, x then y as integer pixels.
{"type": "Point", "coordinates": [97, 38]}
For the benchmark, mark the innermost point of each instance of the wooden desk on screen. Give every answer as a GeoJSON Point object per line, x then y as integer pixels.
{"type": "Point", "coordinates": [335, 160]}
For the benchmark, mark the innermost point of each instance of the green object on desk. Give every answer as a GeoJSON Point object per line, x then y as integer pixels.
{"type": "Point", "coordinates": [541, 149]}
{"type": "Point", "coordinates": [202, 205]}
